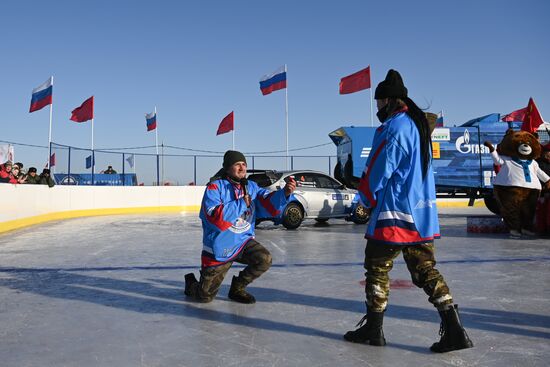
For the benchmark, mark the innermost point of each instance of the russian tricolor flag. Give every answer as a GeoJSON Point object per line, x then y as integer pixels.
{"type": "Point", "coordinates": [439, 121]}
{"type": "Point", "coordinates": [42, 95]}
{"type": "Point", "coordinates": [274, 81]}
{"type": "Point", "coordinates": [151, 119]}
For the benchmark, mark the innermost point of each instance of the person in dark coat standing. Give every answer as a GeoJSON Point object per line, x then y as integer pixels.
{"type": "Point", "coordinates": [32, 177]}
{"type": "Point", "coordinates": [398, 184]}
{"type": "Point", "coordinates": [46, 178]}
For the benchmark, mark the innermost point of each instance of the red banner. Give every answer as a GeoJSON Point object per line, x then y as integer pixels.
{"type": "Point", "coordinates": [226, 125]}
{"type": "Point", "coordinates": [532, 119]}
{"type": "Point", "coordinates": [355, 82]}
{"type": "Point", "coordinates": [85, 112]}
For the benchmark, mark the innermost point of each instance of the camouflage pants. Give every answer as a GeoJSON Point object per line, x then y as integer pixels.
{"type": "Point", "coordinates": [420, 262]}
{"type": "Point", "coordinates": [254, 255]}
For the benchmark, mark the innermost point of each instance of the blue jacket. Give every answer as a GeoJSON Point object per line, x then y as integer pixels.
{"type": "Point", "coordinates": [226, 221]}
{"type": "Point", "coordinates": [404, 203]}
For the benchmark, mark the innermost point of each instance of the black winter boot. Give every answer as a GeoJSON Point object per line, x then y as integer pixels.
{"type": "Point", "coordinates": [238, 293]}
{"type": "Point", "coordinates": [189, 279]}
{"type": "Point", "coordinates": [453, 335]}
{"type": "Point", "coordinates": [371, 332]}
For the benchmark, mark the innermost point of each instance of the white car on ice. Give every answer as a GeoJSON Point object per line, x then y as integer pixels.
{"type": "Point", "coordinates": [317, 196]}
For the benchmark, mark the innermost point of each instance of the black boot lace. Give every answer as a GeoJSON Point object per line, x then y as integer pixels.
{"type": "Point", "coordinates": [362, 321]}
{"type": "Point", "coordinates": [364, 318]}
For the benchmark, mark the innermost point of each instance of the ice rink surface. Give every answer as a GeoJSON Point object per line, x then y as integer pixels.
{"type": "Point", "coordinates": [107, 291]}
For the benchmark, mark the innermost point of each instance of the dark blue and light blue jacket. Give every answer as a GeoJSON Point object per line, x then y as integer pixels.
{"type": "Point", "coordinates": [226, 221]}
{"type": "Point", "coordinates": [404, 203]}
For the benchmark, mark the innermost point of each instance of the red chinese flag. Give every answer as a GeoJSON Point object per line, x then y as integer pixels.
{"type": "Point", "coordinates": [355, 82]}
{"type": "Point", "coordinates": [517, 115]}
{"type": "Point", "coordinates": [226, 125]}
{"type": "Point", "coordinates": [85, 112]}
{"type": "Point", "coordinates": [52, 160]}
{"type": "Point", "coordinates": [532, 119]}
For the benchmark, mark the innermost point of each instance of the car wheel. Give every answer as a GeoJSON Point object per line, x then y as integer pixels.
{"type": "Point", "coordinates": [293, 216]}
{"type": "Point", "coordinates": [491, 203]}
{"type": "Point", "coordinates": [361, 215]}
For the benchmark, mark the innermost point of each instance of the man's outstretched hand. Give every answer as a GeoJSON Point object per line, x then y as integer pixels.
{"type": "Point", "coordinates": [290, 186]}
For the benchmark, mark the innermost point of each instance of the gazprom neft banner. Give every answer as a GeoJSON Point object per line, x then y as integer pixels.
{"type": "Point", "coordinates": [6, 153]}
{"type": "Point", "coordinates": [128, 179]}
{"type": "Point", "coordinates": [441, 134]}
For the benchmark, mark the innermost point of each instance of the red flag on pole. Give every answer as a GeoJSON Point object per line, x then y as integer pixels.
{"type": "Point", "coordinates": [226, 125]}
{"type": "Point", "coordinates": [85, 112]}
{"type": "Point", "coordinates": [517, 115]}
{"type": "Point", "coordinates": [355, 82]}
{"type": "Point", "coordinates": [532, 119]}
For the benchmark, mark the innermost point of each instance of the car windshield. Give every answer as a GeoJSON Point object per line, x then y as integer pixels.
{"type": "Point", "coordinates": [265, 179]}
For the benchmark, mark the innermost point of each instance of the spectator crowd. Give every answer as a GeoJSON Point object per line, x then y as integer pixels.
{"type": "Point", "coordinates": [14, 174]}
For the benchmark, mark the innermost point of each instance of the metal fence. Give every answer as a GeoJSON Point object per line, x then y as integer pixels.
{"type": "Point", "coordinates": [81, 166]}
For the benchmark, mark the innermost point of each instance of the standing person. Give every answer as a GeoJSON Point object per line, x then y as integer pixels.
{"type": "Point", "coordinates": [46, 178]}
{"type": "Point", "coordinates": [18, 176]}
{"type": "Point", "coordinates": [32, 177]}
{"type": "Point", "coordinates": [229, 209]}
{"type": "Point", "coordinates": [544, 160]}
{"type": "Point", "coordinates": [6, 174]}
{"type": "Point", "coordinates": [110, 171]}
{"type": "Point", "coordinates": [398, 184]}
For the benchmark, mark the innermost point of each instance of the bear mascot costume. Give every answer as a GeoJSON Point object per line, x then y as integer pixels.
{"type": "Point", "coordinates": [517, 185]}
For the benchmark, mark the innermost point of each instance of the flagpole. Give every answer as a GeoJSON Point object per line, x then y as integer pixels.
{"type": "Point", "coordinates": [286, 116]}
{"type": "Point", "coordinates": [92, 136]}
{"type": "Point", "coordinates": [371, 109]}
{"type": "Point", "coordinates": [233, 133]}
{"type": "Point", "coordinates": [156, 131]}
{"type": "Point", "coordinates": [50, 134]}
{"type": "Point", "coordinates": [93, 155]}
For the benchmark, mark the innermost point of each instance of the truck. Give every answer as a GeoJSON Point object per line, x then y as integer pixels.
{"type": "Point", "coordinates": [462, 164]}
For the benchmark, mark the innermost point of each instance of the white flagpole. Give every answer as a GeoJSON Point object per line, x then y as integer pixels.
{"type": "Point", "coordinates": [371, 109]}
{"type": "Point", "coordinates": [50, 134]}
{"type": "Point", "coordinates": [156, 131]}
{"type": "Point", "coordinates": [286, 116]}
{"type": "Point", "coordinates": [233, 134]}
{"type": "Point", "coordinates": [92, 136]}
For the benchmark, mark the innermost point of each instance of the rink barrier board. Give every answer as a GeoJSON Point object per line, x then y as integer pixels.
{"type": "Point", "coordinates": [39, 219]}
{"type": "Point", "coordinates": [27, 205]}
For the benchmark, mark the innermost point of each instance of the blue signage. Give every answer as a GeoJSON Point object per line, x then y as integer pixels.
{"type": "Point", "coordinates": [128, 179]}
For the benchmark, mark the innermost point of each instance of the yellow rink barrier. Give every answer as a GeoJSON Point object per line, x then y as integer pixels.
{"type": "Point", "coordinates": [38, 219]}
{"type": "Point", "coordinates": [27, 205]}
{"type": "Point", "coordinates": [458, 203]}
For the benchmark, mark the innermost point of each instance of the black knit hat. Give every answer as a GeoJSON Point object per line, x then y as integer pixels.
{"type": "Point", "coordinates": [31, 169]}
{"type": "Point", "coordinates": [390, 87]}
{"type": "Point", "coordinates": [231, 157]}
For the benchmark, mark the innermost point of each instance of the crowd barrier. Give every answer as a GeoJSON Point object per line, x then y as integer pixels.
{"type": "Point", "coordinates": [25, 205]}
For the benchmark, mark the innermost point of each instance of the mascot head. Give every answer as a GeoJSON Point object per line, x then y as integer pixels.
{"type": "Point", "coordinates": [520, 144]}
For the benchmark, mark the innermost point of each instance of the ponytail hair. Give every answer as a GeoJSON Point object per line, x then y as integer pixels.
{"type": "Point", "coordinates": [421, 122]}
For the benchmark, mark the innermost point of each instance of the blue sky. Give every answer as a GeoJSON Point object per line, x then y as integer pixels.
{"type": "Point", "coordinates": [198, 60]}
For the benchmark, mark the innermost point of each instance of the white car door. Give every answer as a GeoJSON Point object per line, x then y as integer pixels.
{"type": "Point", "coordinates": [306, 186]}
{"type": "Point", "coordinates": [338, 200]}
